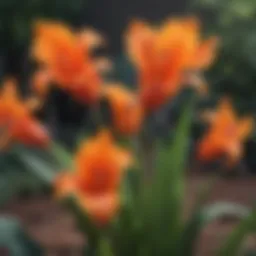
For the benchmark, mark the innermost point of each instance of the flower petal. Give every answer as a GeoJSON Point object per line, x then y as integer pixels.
{"type": "Point", "coordinates": [100, 208]}
{"type": "Point", "coordinates": [245, 127]}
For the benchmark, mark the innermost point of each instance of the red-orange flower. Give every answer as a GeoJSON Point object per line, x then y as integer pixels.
{"type": "Point", "coordinates": [126, 109]}
{"type": "Point", "coordinates": [225, 136]}
{"type": "Point", "coordinates": [100, 165]}
{"type": "Point", "coordinates": [16, 120]}
{"type": "Point", "coordinates": [67, 59]}
{"type": "Point", "coordinates": [40, 83]}
{"type": "Point", "coordinates": [162, 54]}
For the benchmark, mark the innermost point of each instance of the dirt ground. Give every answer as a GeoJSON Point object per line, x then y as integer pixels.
{"type": "Point", "coordinates": [54, 228]}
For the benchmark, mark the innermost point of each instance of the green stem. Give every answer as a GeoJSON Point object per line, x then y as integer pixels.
{"type": "Point", "coordinates": [147, 148]}
{"type": "Point", "coordinates": [85, 225]}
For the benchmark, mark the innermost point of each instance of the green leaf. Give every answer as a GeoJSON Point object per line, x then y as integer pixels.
{"type": "Point", "coordinates": [37, 166]}
{"type": "Point", "coordinates": [127, 227]}
{"type": "Point", "coordinates": [193, 226]}
{"type": "Point", "coordinates": [104, 247]}
{"type": "Point", "coordinates": [163, 212]}
{"type": "Point", "coordinates": [232, 245]}
{"type": "Point", "coordinates": [14, 178]}
{"type": "Point", "coordinates": [15, 241]}
{"type": "Point", "coordinates": [63, 157]}
{"type": "Point", "coordinates": [202, 217]}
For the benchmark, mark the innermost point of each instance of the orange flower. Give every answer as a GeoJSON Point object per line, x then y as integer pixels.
{"type": "Point", "coordinates": [69, 65]}
{"type": "Point", "coordinates": [89, 39]}
{"type": "Point", "coordinates": [96, 181]}
{"type": "Point", "coordinates": [161, 56]}
{"type": "Point", "coordinates": [16, 120]}
{"type": "Point", "coordinates": [126, 110]}
{"type": "Point", "coordinates": [40, 83]}
{"type": "Point", "coordinates": [226, 135]}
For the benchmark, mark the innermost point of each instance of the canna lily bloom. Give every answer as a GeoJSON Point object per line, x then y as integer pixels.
{"type": "Point", "coordinates": [40, 83]}
{"type": "Point", "coordinates": [67, 59]}
{"type": "Point", "coordinates": [226, 135]}
{"type": "Point", "coordinates": [16, 120]}
{"type": "Point", "coordinates": [127, 113]}
{"type": "Point", "coordinates": [162, 55]}
{"type": "Point", "coordinates": [99, 168]}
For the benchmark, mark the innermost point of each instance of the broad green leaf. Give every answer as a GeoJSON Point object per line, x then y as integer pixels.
{"type": "Point", "coordinates": [14, 241]}
{"type": "Point", "coordinates": [202, 217]}
{"type": "Point", "coordinates": [163, 213]}
{"type": "Point", "coordinates": [14, 177]}
{"type": "Point", "coordinates": [41, 153]}
{"type": "Point", "coordinates": [127, 228]}
{"type": "Point", "coordinates": [232, 245]}
{"type": "Point", "coordinates": [8, 186]}
{"type": "Point", "coordinates": [38, 167]}
{"type": "Point", "coordinates": [62, 155]}
{"type": "Point", "coordinates": [104, 247]}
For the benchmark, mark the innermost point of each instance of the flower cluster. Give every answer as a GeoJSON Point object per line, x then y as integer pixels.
{"type": "Point", "coordinates": [99, 168]}
{"type": "Point", "coordinates": [168, 58]}
{"type": "Point", "coordinates": [16, 118]}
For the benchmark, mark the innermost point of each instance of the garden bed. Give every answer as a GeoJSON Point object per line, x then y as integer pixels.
{"type": "Point", "coordinates": [55, 229]}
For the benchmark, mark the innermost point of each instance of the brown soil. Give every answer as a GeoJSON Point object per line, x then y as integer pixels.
{"type": "Point", "coordinates": [54, 228]}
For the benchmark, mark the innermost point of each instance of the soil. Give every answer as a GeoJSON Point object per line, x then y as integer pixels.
{"type": "Point", "coordinates": [54, 228]}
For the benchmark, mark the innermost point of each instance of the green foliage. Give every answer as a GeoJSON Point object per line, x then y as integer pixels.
{"type": "Point", "coordinates": [234, 241]}
{"type": "Point", "coordinates": [14, 241]}
{"type": "Point", "coordinates": [16, 20]}
{"type": "Point", "coordinates": [30, 170]}
{"type": "Point", "coordinates": [17, 16]}
{"type": "Point", "coordinates": [234, 22]}
{"type": "Point", "coordinates": [150, 221]}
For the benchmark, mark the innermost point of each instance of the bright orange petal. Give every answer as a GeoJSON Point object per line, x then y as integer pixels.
{"type": "Point", "coordinates": [206, 54]}
{"type": "Point", "coordinates": [40, 82]}
{"type": "Point", "coordinates": [226, 114]}
{"type": "Point", "coordinates": [125, 107]}
{"type": "Point", "coordinates": [100, 208]}
{"type": "Point", "coordinates": [234, 153]}
{"type": "Point", "coordinates": [140, 44]}
{"type": "Point", "coordinates": [64, 185]}
{"type": "Point", "coordinates": [30, 132]}
{"type": "Point", "coordinates": [9, 89]}
{"type": "Point", "coordinates": [245, 127]}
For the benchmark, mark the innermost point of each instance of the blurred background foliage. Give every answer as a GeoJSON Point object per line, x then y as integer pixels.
{"type": "Point", "coordinates": [16, 18]}
{"type": "Point", "coordinates": [233, 20]}
{"type": "Point", "coordinates": [235, 71]}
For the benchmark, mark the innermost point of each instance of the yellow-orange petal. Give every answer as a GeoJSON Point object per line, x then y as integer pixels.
{"type": "Point", "coordinates": [245, 127]}
{"type": "Point", "coordinates": [140, 44]}
{"type": "Point", "coordinates": [125, 107]}
{"type": "Point", "coordinates": [9, 89]}
{"type": "Point", "coordinates": [226, 113]}
{"type": "Point", "coordinates": [100, 208]}
{"type": "Point", "coordinates": [234, 153]}
{"type": "Point", "coordinates": [64, 185]}
{"type": "Point", "coordinates": [205, 54]}
{"type": "Point", "coordinates": [40, 82]}
{"type": "Point", "coordinates": [29, 132]}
